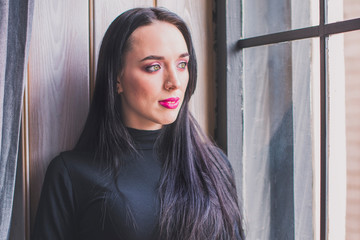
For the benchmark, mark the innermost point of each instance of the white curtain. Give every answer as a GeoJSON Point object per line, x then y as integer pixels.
{"type": "Point", "coordinates": [277, 148]}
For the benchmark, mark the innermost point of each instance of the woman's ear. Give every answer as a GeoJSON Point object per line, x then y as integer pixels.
{"type": "Point", "coordinates": [119, 88]}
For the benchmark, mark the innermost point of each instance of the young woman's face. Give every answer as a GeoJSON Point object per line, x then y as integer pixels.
{"type": "Point", "coordinates": [155, 76]}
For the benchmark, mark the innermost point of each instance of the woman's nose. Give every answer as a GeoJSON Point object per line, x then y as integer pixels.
{"type": "Point", "coordinates": [172, 80]}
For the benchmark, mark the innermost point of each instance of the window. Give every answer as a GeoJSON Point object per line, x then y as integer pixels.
{"type": "Point", "coordinates": [281, 112]}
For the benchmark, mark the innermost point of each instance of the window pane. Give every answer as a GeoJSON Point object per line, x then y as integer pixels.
{"type": "Point", "coordinates": [344, 135]}
{"type": "Point", "coordinates": [352, 101]}
{"type": "Point", "coordinates": [343, 10]}
{"type": "Point", "coordinates": [281, 139]}
{"type": "Point", "coordinates": [351, 9]}
{"type": "Point", "coordinates": [264, 16]}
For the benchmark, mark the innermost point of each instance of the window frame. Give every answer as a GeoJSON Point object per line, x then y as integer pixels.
{"type": "Point", "coordinates": [229, 79]}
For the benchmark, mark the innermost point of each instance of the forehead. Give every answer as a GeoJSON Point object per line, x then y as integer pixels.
{"type": "Point", "coordinates": [157, 37]}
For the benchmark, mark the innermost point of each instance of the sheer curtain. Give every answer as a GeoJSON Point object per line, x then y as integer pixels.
{"type": "Point", "coordinates": [277, 149]}
{"type": "Point", "coordinates": [15, 28]}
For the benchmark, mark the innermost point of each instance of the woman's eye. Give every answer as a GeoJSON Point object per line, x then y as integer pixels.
{"type": "Point", "coordinates": [182, 65]}
{"type": "Point", "coordinates": [153, 68]}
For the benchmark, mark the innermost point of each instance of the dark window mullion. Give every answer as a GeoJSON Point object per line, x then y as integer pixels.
{"type": "Point", "coordinates": [324, 139]}
{"type": "Point", "coordinates": [279, 37]}
{"type": "Point", "coordinates": [297, 34]}
{"type": "Point", "coordinates": [323, 123]}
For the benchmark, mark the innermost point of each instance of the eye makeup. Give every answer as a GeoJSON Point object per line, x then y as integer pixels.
{"type": "Point", "coordinates": [152, 68]}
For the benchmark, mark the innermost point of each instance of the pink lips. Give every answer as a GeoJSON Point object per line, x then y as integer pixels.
{"type": "Point", "coordinates": [170, 103]}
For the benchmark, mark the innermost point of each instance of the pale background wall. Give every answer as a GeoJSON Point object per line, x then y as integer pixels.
{"type": "Point", "coordinates": [352, 89]}
{"type": "Point", "coordinates": [66, 37]}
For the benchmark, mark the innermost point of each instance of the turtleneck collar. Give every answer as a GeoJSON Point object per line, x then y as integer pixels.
{"type": "Point", "coordinates": [144, 139]}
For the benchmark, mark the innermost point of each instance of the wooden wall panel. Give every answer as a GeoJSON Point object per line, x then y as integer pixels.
{"type": "Point", "coordinates": [105, 12]}
{"type": "Point", "coordinates": [58, 86]}
{"type": "Point", "coordinates": [198, 16]}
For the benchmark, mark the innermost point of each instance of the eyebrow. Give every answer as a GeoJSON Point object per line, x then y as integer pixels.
{"type": "Point", "coordinates": [154, 57]}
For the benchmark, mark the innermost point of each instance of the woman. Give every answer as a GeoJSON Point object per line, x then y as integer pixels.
{"type": "Point", "coordinates": [142, 168]}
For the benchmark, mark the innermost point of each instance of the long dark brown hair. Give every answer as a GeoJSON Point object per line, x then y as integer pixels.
{"type": "Point", "coordinates": [197, 188]}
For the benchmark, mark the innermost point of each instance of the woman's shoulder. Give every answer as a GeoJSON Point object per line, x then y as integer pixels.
{"type": "Point", "coordinates": [75, 164]}
{"type": "Point", "coordinates": [216, 150]}
{"type": "Point", "coordinates": [76, 157]}
{"type": "Point", "coordinates": [220, 155]}
{"type": "Point", "coordinates": [80, 171]}
{"type": "Point", "coordinates": [70, 159]}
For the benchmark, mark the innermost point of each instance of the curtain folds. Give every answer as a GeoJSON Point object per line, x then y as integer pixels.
{"type": "Point", "coordinates": [277, 138]}
{"type": "Point", "coordinates": [15, 28]}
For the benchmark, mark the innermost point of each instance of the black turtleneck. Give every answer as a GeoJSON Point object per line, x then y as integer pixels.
{"type": "Point", "coordinates": [80, 201]}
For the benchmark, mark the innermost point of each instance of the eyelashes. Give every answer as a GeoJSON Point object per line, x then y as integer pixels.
{"type": "Point", "coordinates": [153, 68]}
{"type": "Point", "coordinates": [182, 65]}
{"type": "Point", "coordinates": [157, 67]}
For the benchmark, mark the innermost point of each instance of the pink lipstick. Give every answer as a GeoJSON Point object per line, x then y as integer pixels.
{"type": "Point", "coordinates": [170, 103]}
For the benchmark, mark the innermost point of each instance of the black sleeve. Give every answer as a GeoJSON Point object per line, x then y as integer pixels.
{"type": "Point", "coordinates": [55, 218]}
